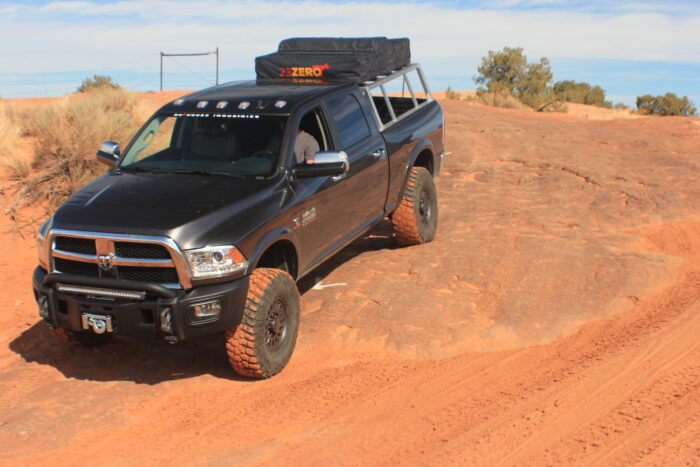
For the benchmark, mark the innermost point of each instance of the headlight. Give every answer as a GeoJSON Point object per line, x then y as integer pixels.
{"type": "Point", "coordinates": [215, 261]}
{"type": "Point", "coordinates": [41, 246]}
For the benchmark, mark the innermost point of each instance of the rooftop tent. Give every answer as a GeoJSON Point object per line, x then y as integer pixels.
{"type": "Point", "coordinates": [334, 59]}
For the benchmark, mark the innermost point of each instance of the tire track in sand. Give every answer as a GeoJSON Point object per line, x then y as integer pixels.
{"type": "Point", "coordinates": [643, 366]}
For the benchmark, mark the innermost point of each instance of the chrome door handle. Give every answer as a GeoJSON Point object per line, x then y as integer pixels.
{"type": "Point", "coordinates": [378, 153]}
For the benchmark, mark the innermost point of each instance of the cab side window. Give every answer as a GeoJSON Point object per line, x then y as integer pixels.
{"type": "Point", "coordinates": [313, 124]}
{"type": "Point", "coordinates": [349, 119]}
{"type": "Point", "coordinates": [310, 136]}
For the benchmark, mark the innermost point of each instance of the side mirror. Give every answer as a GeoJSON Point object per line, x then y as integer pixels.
{"type": "Point", "coordinates": [108, 153]}
{"type": "Point", "coordinates": [326, 163]}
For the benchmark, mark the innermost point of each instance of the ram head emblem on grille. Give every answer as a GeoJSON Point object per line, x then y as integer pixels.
{"type": "Point", "coordinates": [105, 261]}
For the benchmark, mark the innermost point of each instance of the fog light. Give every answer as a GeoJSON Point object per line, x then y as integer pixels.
{"type": "Point", "coordinates": [44, 307]}
{"type": "Point", "coordinates": [209, 311]}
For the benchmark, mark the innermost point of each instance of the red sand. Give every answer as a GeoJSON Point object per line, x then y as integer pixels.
{"type": "Point", "coordinates": [555, 319]}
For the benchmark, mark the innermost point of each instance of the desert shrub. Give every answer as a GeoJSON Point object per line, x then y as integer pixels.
{"type": "Point", "coordinates": [667, 105]}
{"type": "Point", "coordinates": [97, 82]}
{"type": "Point", "coordinates": [580, 93]}
{"type": "Point", "coordinates": [66, 135]}
{"type": "Point", "coordinates": [501, 71]}
{"type": "Point", "coordinates": [535, 89]}
{"type": "Point", "coordinates": [508, 72]}
{"type": "Point", "coordinates": [596, 97]}
{"type": "Point", "coordinates": [451, 94]}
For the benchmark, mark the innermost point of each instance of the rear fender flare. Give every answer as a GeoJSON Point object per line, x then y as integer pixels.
{"type": "Point", "coordinates": [421, 146]}
{"type": "Point", "coordinates": [417, 150]}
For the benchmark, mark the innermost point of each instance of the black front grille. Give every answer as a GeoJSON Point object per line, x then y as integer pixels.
{"type": "Point", "coordinates": [85, 246]}
{"type": "Point", "coordinates": [132, 250]}
{"type": "Point", "coordinates": [131, 273]}
{"type": "Point", "coordinates": [158, 275]}
{"type": "Point", "coordinates": [79, 268]}
{"type": "Point", "coordinates": [141, 250]}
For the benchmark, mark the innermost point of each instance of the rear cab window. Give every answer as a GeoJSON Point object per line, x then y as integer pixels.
{"type": "Point", "coordinates": [349, 119]}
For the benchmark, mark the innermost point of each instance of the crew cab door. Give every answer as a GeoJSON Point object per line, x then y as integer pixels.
{"type": "Point", "coordinates": [319, 215]}
{"type": "Point", "coordinates": [367, 182]}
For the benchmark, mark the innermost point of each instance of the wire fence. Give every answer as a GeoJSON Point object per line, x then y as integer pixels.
{"type": "Point", "coordinates": [172, 56]}
{"type": "Point", "coordinates": [195, 74]}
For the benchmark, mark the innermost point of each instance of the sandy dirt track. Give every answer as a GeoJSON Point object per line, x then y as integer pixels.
{"type": "Point", "coordinates": [555, 319]}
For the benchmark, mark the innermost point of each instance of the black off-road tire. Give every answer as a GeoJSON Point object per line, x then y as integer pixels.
{"type": "Point", "coordinates": [262, 344]}
{"type": "Point", "coordinates": [415, 220]}
{"type": "Point", "coordinates": [81, 338]}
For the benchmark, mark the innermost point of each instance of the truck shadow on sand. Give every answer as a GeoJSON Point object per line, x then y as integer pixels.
{"type": "Point", "coordinates": [125, 359]}
{"type": "Point", "coordinates": [154, 361]}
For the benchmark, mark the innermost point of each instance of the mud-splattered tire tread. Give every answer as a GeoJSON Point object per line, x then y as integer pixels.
{"type": "Point", "coordinates": [80, 339]}
{"type": "Point", "coordinates": [244, 346]}
{"type": "Point", "coordinates": [405, 219]}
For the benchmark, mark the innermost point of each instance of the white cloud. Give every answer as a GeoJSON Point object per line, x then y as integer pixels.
{"type": "Point", "coordinates": [85, 35]}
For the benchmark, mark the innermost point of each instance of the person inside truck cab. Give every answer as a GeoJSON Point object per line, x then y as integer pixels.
{"type": "Point", "coordinates": [305, 147]}
{"type": "Point", "coordinates": [306, 144]}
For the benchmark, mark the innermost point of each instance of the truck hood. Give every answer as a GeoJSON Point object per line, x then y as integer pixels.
{"type": "Point", "coordinates": [187, 208]}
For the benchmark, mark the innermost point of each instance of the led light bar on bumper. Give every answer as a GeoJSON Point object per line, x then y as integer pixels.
{"type": "Point", "coordinates": [215, 261]}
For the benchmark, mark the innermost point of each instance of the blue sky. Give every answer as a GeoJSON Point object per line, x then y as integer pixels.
{"type": "Point", "coordinates": [628, 47]}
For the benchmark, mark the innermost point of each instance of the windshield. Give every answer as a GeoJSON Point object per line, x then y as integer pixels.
{"type": "Point", "coordinates": [225, 144]}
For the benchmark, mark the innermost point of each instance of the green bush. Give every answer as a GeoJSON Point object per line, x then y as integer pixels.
{"type": "Point", "coordinates": [502, 70]}
{"type": "Point", "coordinates": [581, 93]}
{"type": "Point", "coordinates": [667, 105]}
{"type": "Point", "coordinates": [508, 71]}
{"type": "Point", "coordinates": [98, 82]}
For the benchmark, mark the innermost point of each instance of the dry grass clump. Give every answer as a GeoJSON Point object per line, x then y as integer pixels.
{"type": "Point", "coordinates": [452, 94]}
{"type": "Point", "coordinates": [12, 159]}
{"type": "Point", "coordinates": [66, 135]}
{"type": "Point", "coordinates": [17, 165]}
{"type": "Point", "coordinates": [617, 114]}
{"type": "Point", "coordinates": [499, 99]}
{"type": "Point", "coordinates": [620, 112]}
{"type": "Point", "coordinates": [503, 99]}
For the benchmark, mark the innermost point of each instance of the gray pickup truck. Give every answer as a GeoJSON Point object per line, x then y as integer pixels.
{"type": "Point", "coordinates": [206, 220]}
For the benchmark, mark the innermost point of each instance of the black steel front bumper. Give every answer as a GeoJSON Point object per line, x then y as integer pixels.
{"type": "Point", "coordinates": [140, 318]}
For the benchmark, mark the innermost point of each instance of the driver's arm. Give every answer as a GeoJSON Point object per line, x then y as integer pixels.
{"type": "Point", "coordinates": [306, 147]}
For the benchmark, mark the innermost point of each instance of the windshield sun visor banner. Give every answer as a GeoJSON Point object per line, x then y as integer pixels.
{"type": "Point", "coordinates": [333, 59]}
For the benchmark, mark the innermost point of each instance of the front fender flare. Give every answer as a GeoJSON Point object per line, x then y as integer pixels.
{"type": "Point", "coordinates": [275, 235]}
